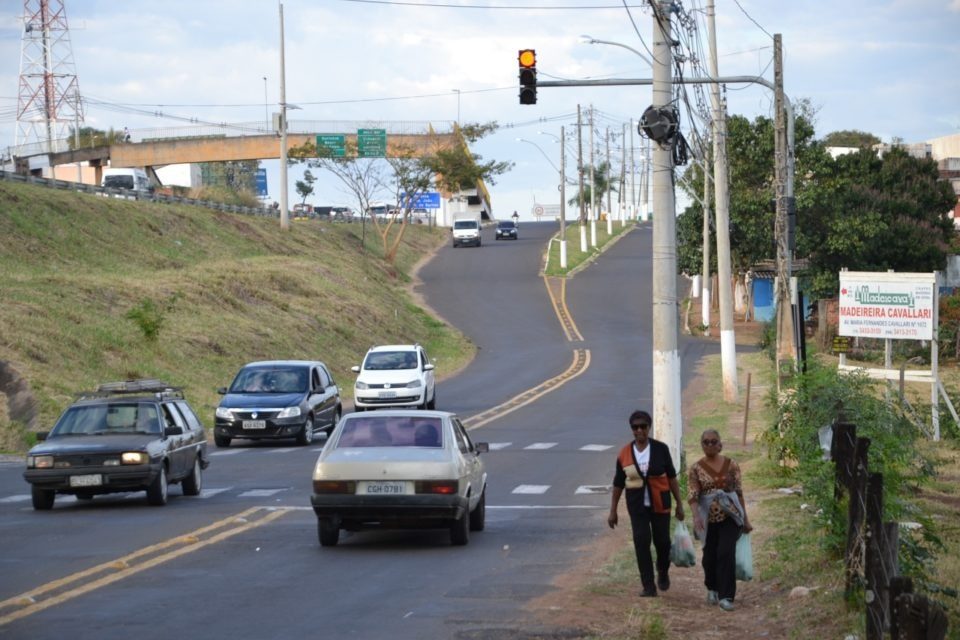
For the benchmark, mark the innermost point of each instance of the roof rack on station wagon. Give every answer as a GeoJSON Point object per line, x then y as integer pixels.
{"type": "Point", "coordinates": [127, 387]}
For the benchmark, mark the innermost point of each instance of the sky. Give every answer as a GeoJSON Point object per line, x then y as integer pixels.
{"type": "Point", "coordinates": [885, 67]}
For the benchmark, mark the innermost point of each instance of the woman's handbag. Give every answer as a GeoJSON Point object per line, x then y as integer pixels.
{"type": "Point", "coordinates": [744, 558]}
{"type": "Point", "coordinates": [682, 553]}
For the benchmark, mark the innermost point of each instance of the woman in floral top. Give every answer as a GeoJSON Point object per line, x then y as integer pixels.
{"type": "Point", "coordinates": [716, 498]}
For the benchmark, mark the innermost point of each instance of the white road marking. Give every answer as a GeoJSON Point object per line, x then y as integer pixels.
{"type": "Point", "coordinates": [531, 488]}
{"type": "Point", "coordinates": [260, 493]}
{"type": "Point", "coordinates": [592, 489]}
{"type": "Point", "coordinates": [226, 452]}
{"type": "Point", "coordinates": [494, 446]}
{"type": "Point", "coordinates": [17, 498]}
{"type": "Point", "coordinates": [596, 447]}
{"type": "Point", "coordinates": [284, 450]}
{"type": "Point", "coordinates": [209, 493]}
{"type": "Point", "coordinates": [541, 445]}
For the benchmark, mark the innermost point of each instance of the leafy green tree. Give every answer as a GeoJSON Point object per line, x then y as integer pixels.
{"type": "Point", "coordinates": [305, 186]}
{"type": "Point", "coordinates": [601, 176]}
{"type": "Point", "coordinates": [92, 137]}
{"type": "Point", "coordinates": [850, 138]}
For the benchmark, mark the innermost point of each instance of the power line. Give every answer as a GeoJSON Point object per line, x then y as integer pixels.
{"type": "Point", "coordinates": [444, 5]}
{"type": "Point", "coordinates": [752, 20]}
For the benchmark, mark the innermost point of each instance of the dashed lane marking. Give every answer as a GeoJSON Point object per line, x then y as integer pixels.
{"type": "Point", "coordinates": [596, 447]}
{"type": "Point", "coordinates": [537, 446]}
{"type": "Point", "coordinates": [531, 488]}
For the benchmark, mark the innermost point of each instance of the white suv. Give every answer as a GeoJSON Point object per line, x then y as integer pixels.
{"type": "Point", "coordinates": [396, 375]}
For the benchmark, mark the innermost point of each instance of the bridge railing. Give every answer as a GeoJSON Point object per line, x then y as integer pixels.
{"type": "Point", "coordinates": [268, 212]}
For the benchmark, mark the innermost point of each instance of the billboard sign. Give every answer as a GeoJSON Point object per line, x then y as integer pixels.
{"type": "Point", "coordinates": [262, 182]}
{"type": "Point", "coordinates": [423, 200]}
{"type": "Point", "coordinates": [896, 306]}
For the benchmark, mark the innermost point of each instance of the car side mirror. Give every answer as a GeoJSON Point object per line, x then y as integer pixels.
{"type": "Point", "coordinates": [428, 367]}
{"type": "Point", "coordinates": [355, 368]}
{"type": "Point", "coordinates": [42, 435]}
{"type": "Point", "coordinates": [173, 431]}
{"type": "Point", "coordinates": [482, 447]}
{"type": "Point", "coordinates": [222, 391]}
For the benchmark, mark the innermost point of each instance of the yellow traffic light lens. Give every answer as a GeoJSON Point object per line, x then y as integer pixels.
{"type": "Point", "coordinates": [527, 58]}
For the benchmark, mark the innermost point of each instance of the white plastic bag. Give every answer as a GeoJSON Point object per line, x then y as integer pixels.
{"type": "Point", "coordinates": [682, 553]}
{"type": "Point", "coordinates": [744, 558]}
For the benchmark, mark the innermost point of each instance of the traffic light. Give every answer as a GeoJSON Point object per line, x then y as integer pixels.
{"type": "Point", "coordinates": [528, 76]}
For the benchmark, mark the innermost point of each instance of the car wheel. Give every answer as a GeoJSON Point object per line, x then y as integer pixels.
{"type": "Point", "coordinates": [42, 498]}
{"type": "Point", "coordinates": [328, 532]}
{"type": "Point", "coordinates": [336, 419]}
{"type": "Point", "coordinates": [433, 401]}
{"type": "Point", "coordinates": [306, 436]}
{"type": "Point", "coordinates": [460, 530]}
{"type": "Point", "coordinates": [193, 483]}
{"type": "Point", "coordinates": [478, 516]}
{"type": "Point", "coordinates": [221, 441]}
{"type": "Point", "coordinates": [157, 492]}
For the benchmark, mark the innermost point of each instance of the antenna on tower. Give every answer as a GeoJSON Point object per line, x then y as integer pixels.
{"type": "Point", "coordinates": [49, 94]}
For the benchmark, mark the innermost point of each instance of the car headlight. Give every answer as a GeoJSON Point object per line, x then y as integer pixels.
{"type": "Point", "coordinates": [39, 462]}
{"type": "Point", "coordinates": [361, 385]}
{"type": "Point", "coordinates": [414, 384]}
{"type": "Point", "coordinates": [289, 412]}
{"type": "Point", "coordinates": [134, 457]}
{"type": "Point", "coordinates": [224, 413]}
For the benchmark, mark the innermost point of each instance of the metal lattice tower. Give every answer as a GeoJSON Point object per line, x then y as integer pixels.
{"type": "Point", "coordinates": [49, 95]}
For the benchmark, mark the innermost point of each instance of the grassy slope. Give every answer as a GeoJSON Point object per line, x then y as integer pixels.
{"type": "Point", "coordinates": [232, 289]}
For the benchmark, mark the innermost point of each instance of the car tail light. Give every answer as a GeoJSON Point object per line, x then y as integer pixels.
{"type": "Point", "coordinates": [443, 487]}
{"type": "Point", "coordinates": [334, 486]}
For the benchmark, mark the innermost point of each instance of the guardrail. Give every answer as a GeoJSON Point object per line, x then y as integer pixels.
{"type": "Point", "coordinates": [267, 212]}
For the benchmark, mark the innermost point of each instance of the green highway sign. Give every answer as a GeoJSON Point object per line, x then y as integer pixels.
{"type": "Point", "coordinates": [332, 144]}
{"type": "Point", "coordinates": [372, 143]}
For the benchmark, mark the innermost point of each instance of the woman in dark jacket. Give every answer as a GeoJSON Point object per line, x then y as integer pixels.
{"type": "Point", "coordinates": [645, 471]}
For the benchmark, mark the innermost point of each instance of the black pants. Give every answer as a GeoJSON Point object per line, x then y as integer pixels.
{"type": "Point", "coordinates": [720, 558]}
{"type": "Point", "coordinates": [648, 526]}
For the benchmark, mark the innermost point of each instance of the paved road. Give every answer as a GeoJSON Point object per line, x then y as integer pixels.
{"type": "Point", "coordinates": [242, 560]}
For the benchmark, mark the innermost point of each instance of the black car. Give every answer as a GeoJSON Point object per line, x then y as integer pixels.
{"type": "Point", "coordinates": [125, 436]}
{"type": "Point", "coordinates": [506, 230]}
{"type": "Point", "coordinates": [278, 399]}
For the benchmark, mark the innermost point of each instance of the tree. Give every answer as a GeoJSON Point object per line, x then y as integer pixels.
{"type": "Point", "coordinates": [305, 186]}
{"type": "Point", "coordinates": [91, 137]}
{"type": "Point", "coordinates": [601, 177]}
{"type": "Point", "coordinates": [850, 138]}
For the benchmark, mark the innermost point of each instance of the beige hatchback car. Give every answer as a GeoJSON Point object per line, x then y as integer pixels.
{"type": "Point", "coordinates": [400, 469]}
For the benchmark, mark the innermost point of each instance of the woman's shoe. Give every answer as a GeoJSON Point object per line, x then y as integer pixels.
{"type": "Point", "coordinates": [727, 604]}
{"type": "Point", "coordinates": [712, 597]}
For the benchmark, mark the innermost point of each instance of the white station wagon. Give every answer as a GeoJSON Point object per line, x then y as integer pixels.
{"type": "Point", "coordinates": [400, 469]}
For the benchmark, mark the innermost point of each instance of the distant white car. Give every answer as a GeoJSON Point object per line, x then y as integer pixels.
{"type": "Point", "coordinates": [466, 231]}
{"type": "Point", "coordinates": [400, 469]}
{"type": "Point", "coordinates": [395, 375]}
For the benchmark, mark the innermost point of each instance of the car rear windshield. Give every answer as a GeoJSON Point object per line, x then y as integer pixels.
{"type": "Point", "coordinates": [270, 380]}
{"type": "Point", "coordinates": [383, 431]}
{"type": "Point", "coordinates": [390, 360]}
{"type": "Point", "coordinates": [108, 418]}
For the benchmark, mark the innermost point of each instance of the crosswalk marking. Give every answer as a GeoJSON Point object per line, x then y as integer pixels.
{"type": "Point", "coordinates": [261, 493]}
{"type": "Point", "coordinates": [284, 450]}
{"type": "Point", "coordinates": [226, 452]}
{"type": "Point", "coordinates": [596, 447]}
{"type": "Point", "coordinates": [17, 498]}
{"type": "Point", "coordinates": [209, 493]}
{"type": "Point", "coordinates": [494, 446]}
{"type": "Point", "coordinates": [592, 489]}
{"type": "Point", "coordinates": [541, 445]}
{"type": "Point", "coordinates": [531, 488]}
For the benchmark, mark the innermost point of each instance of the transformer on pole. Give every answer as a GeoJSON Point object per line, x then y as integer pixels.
{"type": "Point", "coordinates": [48, 102]}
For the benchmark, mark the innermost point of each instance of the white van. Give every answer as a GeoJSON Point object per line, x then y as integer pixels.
{"type": "Point", "coordinates": [127, 179]}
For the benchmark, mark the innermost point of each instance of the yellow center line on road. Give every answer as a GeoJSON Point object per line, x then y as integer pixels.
{"type": "Point", "coordinates": [134, 563]}
{"type": "Point", "coordinates": [581, 361]}
{"type": "Point", "coordinates": [559, 302]}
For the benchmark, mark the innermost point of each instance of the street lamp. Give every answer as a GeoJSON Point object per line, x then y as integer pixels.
{"type": "Point", "coordinates": [457, 91]}
{"type": "Point", "coordinates": [563, 196]}
{"type": "Point", "coordinates": [266, 105]}
{"type": "Point", "coordinates": [542, 152]}
{"type": "Point", "coordinates": [592, 40]}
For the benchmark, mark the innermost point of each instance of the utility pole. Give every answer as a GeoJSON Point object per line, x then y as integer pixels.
{"type": "Point", "coordinates": [705, 271]}
{"type": "Point", "coordinates": [563, 199]}
{"type": "Point", "coordinates": [609, 177]}
{"type": "Point", "coordinates": [728, 341]}
{"type": "Point", "coordinates": [284, 214]}
{"type": "Point", "coordinates": [622, 196]}
{"type": "Point", "coordinates": [786, 348]}
{"type": "Point", "coordinates": [645, 181]}
{"type": "Point", "coordinates": [667, 417]}
{"type": "Point", "coordinates": [583, 213]}
{"type": "Point", "coordinates": [633, 177]}
{"type": "Point", "coordinates": [593, 190]}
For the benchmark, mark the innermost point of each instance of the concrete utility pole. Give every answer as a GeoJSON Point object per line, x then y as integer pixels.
{"type": "Point", "coordinates": [563, 200]}
{"type": "Point", "coordinates": [593, 190]}
{"type": "Point", "coordinates": [645, 181]}
{"type": "Point", "coordinates": [728, 341]}
{"type": "Point", "coordinates": [705, 270]}
{"type": "Point", "coordinates": [622, 196]}
{"type": "Point", "coordinates": [633, 177]}
{"type": "Point", "coordinates": [667, 415]}
{"type": "Point", "coordinates": [609, 179]}
{"type": "Point", "coordinates": [583, 213]}
{"type": "Point", "coordinates": [786, 347]}
{"type": "Point", "coordinates": [284, 214]}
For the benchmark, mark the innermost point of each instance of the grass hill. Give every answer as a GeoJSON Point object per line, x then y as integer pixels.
{"type": "Point", "coordinates": [95, 289]}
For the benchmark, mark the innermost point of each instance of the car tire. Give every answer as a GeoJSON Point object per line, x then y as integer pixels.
{"type": "Point", "coordinates": [43, 499]}
{"type": "Point", "coordinates": [158, 491]}
{"type": "Point", "coordinates": [192, 485]}
{"type": "Point", "coordinates": [478, 517]}
{"type": "Point", "coordinates": [305, 437]}
{"type": "Point", "coordinates": [221, 441]}
{"type": "Point", "coordinates": [432, 405]}
{"type": "Point", "coordinates": [333, 424]}
{"type": "Point", "coordinates": [357, 409]}
{"type": "Point", "coordinates": [460, 530]}
{"type": "Point", "coordinates": [328, 532]}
